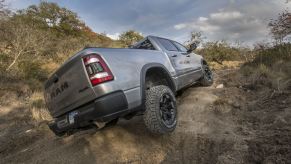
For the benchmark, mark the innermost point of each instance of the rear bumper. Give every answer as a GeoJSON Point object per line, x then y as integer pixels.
{"type": "Point", "coordinates": [103, 109]}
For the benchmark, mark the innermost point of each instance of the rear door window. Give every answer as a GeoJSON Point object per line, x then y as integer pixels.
{"type": "Point", "coordinates": [168, 44]}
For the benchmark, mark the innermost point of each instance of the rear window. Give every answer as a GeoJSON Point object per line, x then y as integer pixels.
{"type": "Point", "coordinates": [146, 45]}
{"type": "Point", "coordinates": [168, 44]}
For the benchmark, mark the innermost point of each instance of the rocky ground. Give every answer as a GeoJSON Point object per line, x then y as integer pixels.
{"type": "Point", "coordinates": [229, 123]}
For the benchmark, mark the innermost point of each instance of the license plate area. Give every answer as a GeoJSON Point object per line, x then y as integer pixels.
{"type": "Point", "coordinates": [62, 123]}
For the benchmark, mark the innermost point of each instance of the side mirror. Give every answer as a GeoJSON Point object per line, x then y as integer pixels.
{"type": "Point", "coordinates": [192, 47]}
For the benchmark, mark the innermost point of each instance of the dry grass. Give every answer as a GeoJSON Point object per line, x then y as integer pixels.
{"type": "Point", "coordinates": [225, 65]}
{"type": "Point", "coordinates": [270, 68]}
{"type": "Point", "coordinates": [276, 77]}
{"type": "Point", "coordinates": [37, 107]}
{"type": "Point", "coordinates": [50, 66]}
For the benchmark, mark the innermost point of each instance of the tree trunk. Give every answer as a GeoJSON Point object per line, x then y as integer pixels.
{"type": "Point", "coordinates": [13, 62]}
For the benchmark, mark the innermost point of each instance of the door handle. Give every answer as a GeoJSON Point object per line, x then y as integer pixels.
{"type": "Point", "coordinates": [174, 55]}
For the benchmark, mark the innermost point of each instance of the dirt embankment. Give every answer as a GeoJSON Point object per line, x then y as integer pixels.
{"type": "Point", "coordinates": [233, 124]}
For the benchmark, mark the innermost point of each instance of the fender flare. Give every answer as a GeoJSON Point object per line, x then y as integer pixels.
{"type": "Point", "coordinates": [143, 72]}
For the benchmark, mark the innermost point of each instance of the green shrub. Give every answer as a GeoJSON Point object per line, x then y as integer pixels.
{"type": "Point", "coordinates": [269, 56]}
{"type": "Point", "coordinates": [221, 51]}
{"type": "Point", "coordinates": [271, 67]}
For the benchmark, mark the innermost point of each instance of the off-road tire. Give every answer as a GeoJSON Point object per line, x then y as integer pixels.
{"type": "Point", "coordinates": [152, 116]}
{"type": "Point", "coordinates": [206, 79]}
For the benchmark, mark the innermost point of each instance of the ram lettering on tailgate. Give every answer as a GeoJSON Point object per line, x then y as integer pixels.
{"type": "Point", "coordinates": [59, 90]}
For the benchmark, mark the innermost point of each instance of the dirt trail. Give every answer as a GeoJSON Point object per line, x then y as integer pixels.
{"type": "Point", "coordinates": [209, 131]}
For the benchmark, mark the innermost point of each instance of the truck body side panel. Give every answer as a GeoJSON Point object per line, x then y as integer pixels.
{"type": "Point", "coordinates": [69, 87]}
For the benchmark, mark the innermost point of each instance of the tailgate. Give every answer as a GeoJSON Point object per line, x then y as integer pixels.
{"type": "Point", "coordinates": [68, 88]}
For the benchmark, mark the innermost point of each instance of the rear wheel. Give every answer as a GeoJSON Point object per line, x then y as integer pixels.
{"type": "Point", "coordinates": [161, 110]}
{"type": "Point", "coordinates": [207, 78]}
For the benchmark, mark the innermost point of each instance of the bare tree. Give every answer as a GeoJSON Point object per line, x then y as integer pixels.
{"type": "Point", "coordinates": [196, 37]}
{"type": "Point", "coordinates": [3, 9]}
{"type": "Point", "coordinates": [281, 27]}
{"type": "Point", "coordinates": [21, 40]}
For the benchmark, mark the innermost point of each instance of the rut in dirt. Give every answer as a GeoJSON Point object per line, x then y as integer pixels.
{"type": "Point", "coordinates": [200, 136]}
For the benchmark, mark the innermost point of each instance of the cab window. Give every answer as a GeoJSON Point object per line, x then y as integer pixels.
{"type": "Point", "coordinates": [180, 46]}
{"type": "Point", "coordinates": [168, 44]}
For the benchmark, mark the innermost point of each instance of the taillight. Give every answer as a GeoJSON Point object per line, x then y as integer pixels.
{"type": "Point", "coordinates": [97, 69]}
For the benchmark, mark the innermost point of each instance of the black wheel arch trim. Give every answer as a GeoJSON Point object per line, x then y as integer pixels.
{"type": "Point", "coordinates": [144, 70]}
{"type": "Point", "coordinates": [202, 63]}
{"type": "Point", "coordinates": [203, 60]}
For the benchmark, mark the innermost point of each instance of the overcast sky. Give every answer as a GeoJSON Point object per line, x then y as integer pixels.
{"type": "Point", "coordinates": [233, 20]}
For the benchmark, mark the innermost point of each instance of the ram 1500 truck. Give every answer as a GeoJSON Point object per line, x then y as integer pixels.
{"type": "Point", "coordinates": [100, 85]}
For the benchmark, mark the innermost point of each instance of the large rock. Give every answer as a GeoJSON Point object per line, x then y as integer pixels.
{"type": "Point", "coordinates": [220, 86]}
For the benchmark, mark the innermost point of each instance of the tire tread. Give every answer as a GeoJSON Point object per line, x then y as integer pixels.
{"type": "Point", "coordinates": [152, 118]}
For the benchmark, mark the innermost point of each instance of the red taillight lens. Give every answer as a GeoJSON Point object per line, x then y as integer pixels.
{"type": "Point", "coordinates": [97, 69]}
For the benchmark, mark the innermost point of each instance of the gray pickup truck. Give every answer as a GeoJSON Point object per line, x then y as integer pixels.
{"type": "Point", "coordinates": [100, 85]}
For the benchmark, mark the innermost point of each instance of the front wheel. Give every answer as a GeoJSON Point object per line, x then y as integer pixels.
{"type": "Point", "coordinates": [160, 116]}
{"type": "Point", "coordinates": [207, 77]}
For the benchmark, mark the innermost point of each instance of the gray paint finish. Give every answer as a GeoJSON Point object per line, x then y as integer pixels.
{"type": "Point", "coordinates": [126, 65]}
